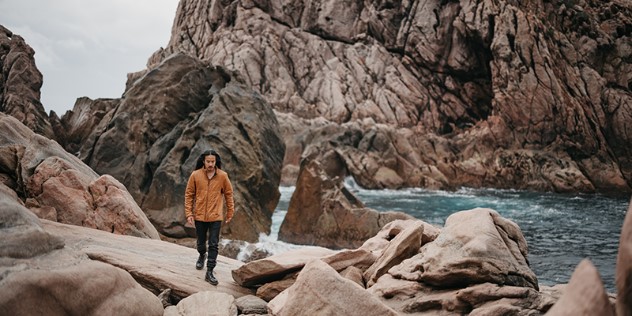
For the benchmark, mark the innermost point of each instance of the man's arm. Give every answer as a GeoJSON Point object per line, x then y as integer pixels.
{"type": "Point", "coordinates": [230, 203]}
{"type": "Point", "coordinates": [189, 195]}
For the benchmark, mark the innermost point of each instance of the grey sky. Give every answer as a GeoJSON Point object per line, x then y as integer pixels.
{"type": "Point", "coordinates": [87, 47]}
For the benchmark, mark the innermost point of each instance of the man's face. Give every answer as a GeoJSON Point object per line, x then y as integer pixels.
{"type": "Point", "coordinates": [209, 163]}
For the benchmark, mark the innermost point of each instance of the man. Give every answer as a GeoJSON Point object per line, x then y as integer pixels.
{"type": "Point", "coordinates": [204, 196]}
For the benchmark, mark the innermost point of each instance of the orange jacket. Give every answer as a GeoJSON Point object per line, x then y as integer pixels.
{"type": "Point", "coordinates": [203, 197]}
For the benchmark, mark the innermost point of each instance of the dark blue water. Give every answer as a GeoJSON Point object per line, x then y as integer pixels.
{"type": "Point", "coordinates": [560, 229]}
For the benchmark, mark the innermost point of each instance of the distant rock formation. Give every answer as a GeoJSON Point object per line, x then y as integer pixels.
{"type": "Point", "coordinates": [58, 186]}
{"type": "Point", "coordinates": [20, 83]}
{"type": "Point", "coordinates": [322, 212]}
{"type": "Point", "coordinates": [436, 94]}
{"type": "Point", "coordinates": [151, 138]}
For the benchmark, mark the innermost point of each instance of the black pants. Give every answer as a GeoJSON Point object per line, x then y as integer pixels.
{"type": "Point", "coordinates": [210, 229]}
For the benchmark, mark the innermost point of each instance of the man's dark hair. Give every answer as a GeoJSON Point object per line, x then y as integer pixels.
{"type": "Point", "coordinates": [200, 161]}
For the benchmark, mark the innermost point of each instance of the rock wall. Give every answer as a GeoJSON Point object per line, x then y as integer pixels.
{"type": "Point", "coordinates": [515, 94]}
{"type": "Point", "coordinates": [151, 138]}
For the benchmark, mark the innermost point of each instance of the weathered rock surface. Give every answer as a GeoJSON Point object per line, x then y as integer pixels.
{"type": "Point", "coordinates": [529, 95]}
{"type": "Point", "coordinates": [58, 186]}
{"type": "Point", "coordinates": [21, 234]}
{"type": "Point", "coordinates": [150, 140]}
{"type": "Point", "coordinates": [41, 276]}
{"type": "Point", "coordinates": [276, 267]}
{"type": "Point", "coordinates": [316, 285]}
{"type": "Point", "coordinates": [624, 267]}
{"type": "Point", "coordinates": [474, 246]}
{"type": "Point", "coordinates": [323, 212]}
{"type": "Point", "coordinates": [318, 290]}
{"type": "Point", "coordinates": [584, 295]}
{"type": "Point", "coordinates": [204, 303]}
{"type": "Point", "coordinates": [155, 264]}
{"type": "Point", "coordinates": [20, 84]}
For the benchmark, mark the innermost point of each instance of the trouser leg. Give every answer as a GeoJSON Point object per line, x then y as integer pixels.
{"type": "Point", "coordinates": [213, 243]}
{"type": "Point", "coordinates": [201, 231]}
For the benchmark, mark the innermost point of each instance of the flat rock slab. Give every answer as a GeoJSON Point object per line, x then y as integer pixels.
{"type": "Point", "coordinates": [155, 264]}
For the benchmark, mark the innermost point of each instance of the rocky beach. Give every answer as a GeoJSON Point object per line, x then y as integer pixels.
{"type": "Point", "coordinates": [437, 95]}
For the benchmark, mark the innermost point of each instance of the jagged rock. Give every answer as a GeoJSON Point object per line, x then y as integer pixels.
{"type": "Point", "coordinates": [475, 246]}
{"type": "Point", "coordinates": [353, 274]}
{"type": "Point", "coordinates": [317, 291]}
{"type": "Point", "coordinates": [270, 290]}
{"type": "Point", "coordinates": [624, 267]}
{"type": "Point", "coordinates": [584, 295]}
{"type": "Point", "coordinates": [323, 212]}
{"type": "Point", "coordinates": [20, 84]}
{"type": "Point", "coordinates": [378, 243]}
{"type": "Point", "coordinates": [204, 303]}
{"type": "Point", "coordinates": [277, 266]}
{"type": "Point", "coordinates": [405, 245]}
{"type": "Point", "coordinates": [484, 93]}
{"type": "Point", "coordinates": [250, 304]}
{"type": "Point", "coordinates": [151, 138]}
{"type": "Point", "coordinates": [58, 186]}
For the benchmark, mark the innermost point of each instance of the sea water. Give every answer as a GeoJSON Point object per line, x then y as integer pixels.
{"type": "Point", "coordinates": [560, 229]}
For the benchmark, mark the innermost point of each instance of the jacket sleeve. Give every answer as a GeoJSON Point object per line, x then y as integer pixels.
{"type": "Point", "coordinates": [228, 195]}
{"type": "Point", "coordinates": [189, 195]}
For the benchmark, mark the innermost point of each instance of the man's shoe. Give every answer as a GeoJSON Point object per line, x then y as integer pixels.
{"type": "Point", "coordinates": [200, 262]}
{"type": "Point", "coordinates": [210, 278]}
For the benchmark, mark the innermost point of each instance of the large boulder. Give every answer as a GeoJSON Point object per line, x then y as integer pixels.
{"type": "Point", "coordinates": [41, 276]}
{"type": "Point", "coordinates": [475, 246]}
{"type": "Point", "coordinates": [323, 212]}
{"type": "Point", "coordinates": [58, 186]}
{"type": "Point", "coordinates": [20, 84]}
{"type": "Point", "coordinates": [317, 291]}
{"type": "Point", "coordinates": [151, 138]}
{"type": "Point", "coordinates": [204, 303]}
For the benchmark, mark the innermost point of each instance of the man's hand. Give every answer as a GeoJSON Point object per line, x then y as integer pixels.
{"type": "Point", "coordinates": [228, 219]}
{"type": "Point", "coordinates": [190, 220]}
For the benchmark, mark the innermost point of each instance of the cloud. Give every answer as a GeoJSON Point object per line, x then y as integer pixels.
{"type": "Point", "coordinates": [87, 47]}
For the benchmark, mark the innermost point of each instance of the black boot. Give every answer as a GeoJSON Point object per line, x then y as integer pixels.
{"type": "Point", "coordinates": [200, 262]}
{"type": "Point", "coordinates": [210, 278]}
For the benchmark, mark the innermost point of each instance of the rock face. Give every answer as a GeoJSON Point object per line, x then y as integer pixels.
{"type": "Point", "coordinates": [151, 138]}
{"type": "Point", "coordinates": [57, 186]}
{"type": "Point", "coordinates": [471, 93]}
{"type": "Point", "coordinates": [323, 212]}
{"type": "Point", "coordinates": [20, 83]}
